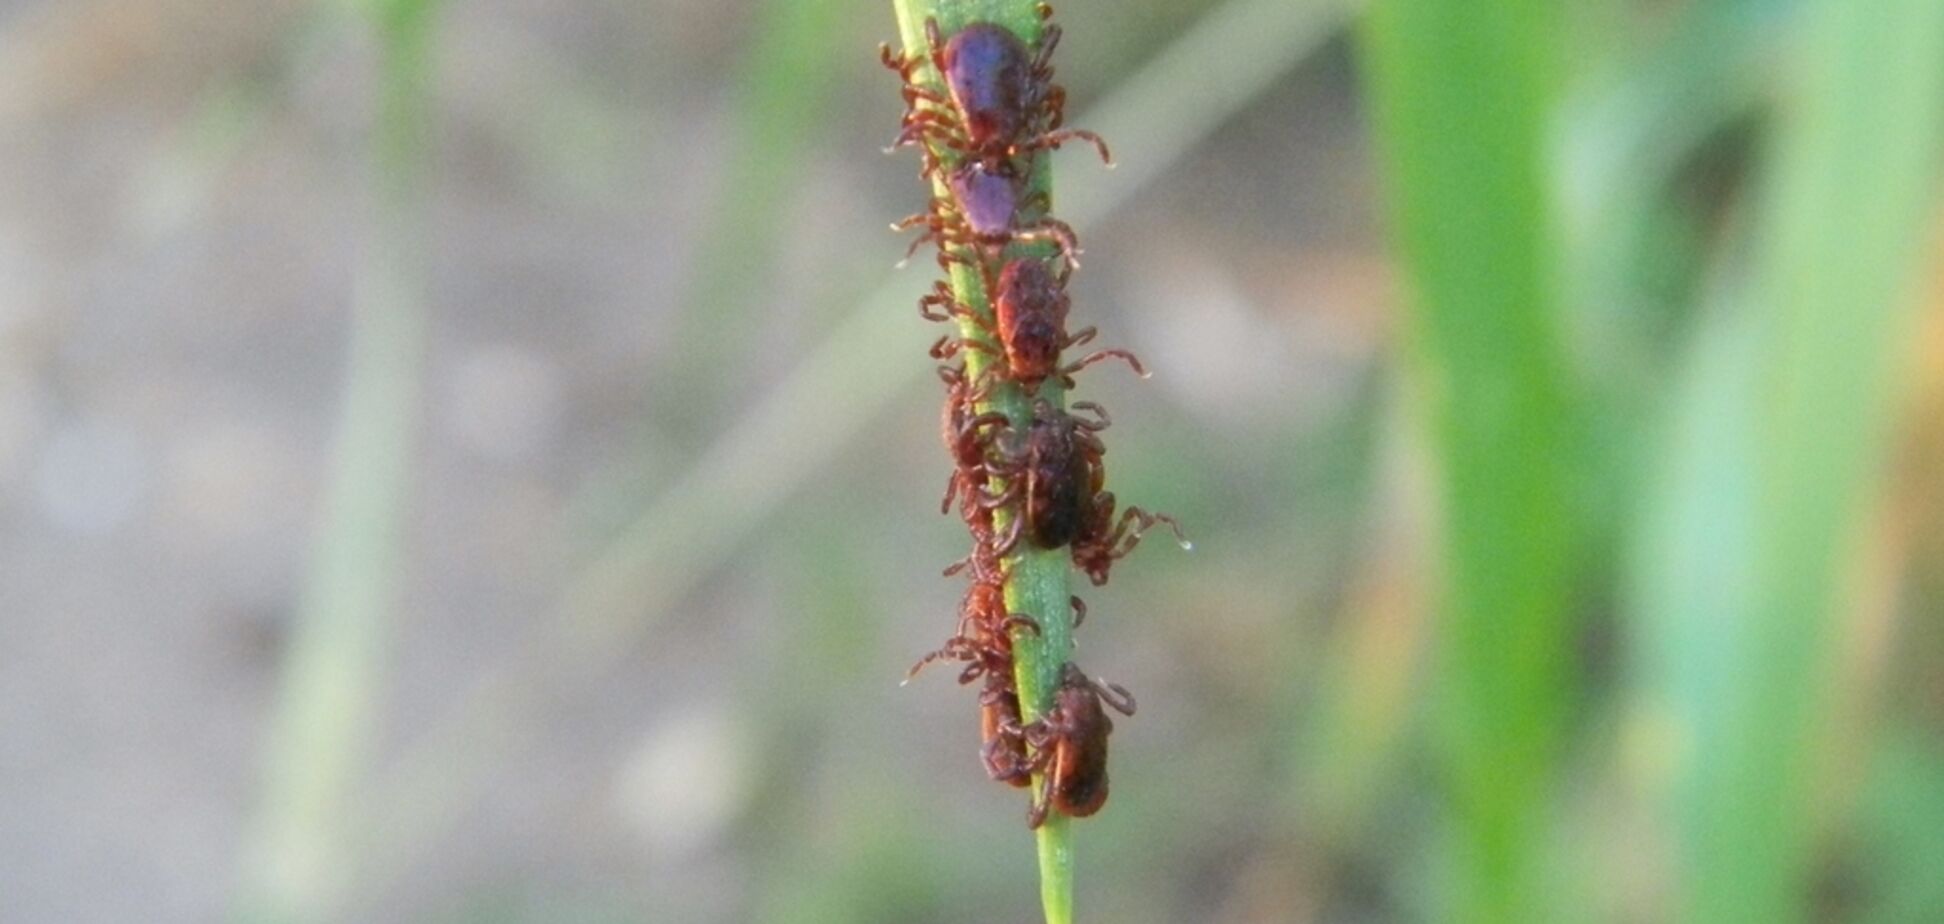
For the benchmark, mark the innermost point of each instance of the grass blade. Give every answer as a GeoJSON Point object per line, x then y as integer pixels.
{"type": "Point", "coordinates": [1462, 90]}
{"type": "Point", "coordinates": [1854, 163]}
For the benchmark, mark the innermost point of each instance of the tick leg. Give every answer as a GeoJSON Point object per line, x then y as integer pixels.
{"type": "Point", "coordinates": [993, 501]}
{"type": "Point", "coordinates": [911, 221]}
{"type": "Point", "coordinates": [913, 93]}
{"type": "Point", "coordinates": [1079, 611]}
{"type": "Point", "coordinates": [1059, 233]}
{"type": "Point", "coordinates": [951, 491]}
{"type": "Point", "coordinates": [1101, 355]}
{"type": "Point", "coordinates": [1115, 695]}
{"type": "Point", "coordinates": [935, 42]}
{"type": "Point", "coordinates": [952, 650]}
{"type": "Point", "coordinates": [1011, 539]}
{"type": "Point", "coordinates": [931, 234]}
{"type": "Point", "coordinates": [987, 419]}
{"type": "Point", "coordinates": [1042, 803]}
{"type": "Point", "coordinates": [1053, 104]}
{"type": "Point", "coordinates": [1135, 523]}
{"type": "Point", "coordinates": [1049, 40]}
{"type": "Point", "coordinates": [1054, 139]}
{"type": "Point", "coordinates": [1103, 421]}
{"type": "Point", "coordinates": [940, 304]}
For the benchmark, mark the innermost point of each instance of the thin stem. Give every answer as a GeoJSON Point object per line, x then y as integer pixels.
{"type": "Point", "coordinates": [299, 857]}
{"type": "Point", "coordinates": [1036, 579]}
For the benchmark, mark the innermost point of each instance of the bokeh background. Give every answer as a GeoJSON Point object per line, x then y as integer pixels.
{"type": "Point", "coordinates": [476, 462]}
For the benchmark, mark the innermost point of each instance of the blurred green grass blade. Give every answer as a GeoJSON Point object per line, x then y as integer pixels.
{"type": "Point", "coordinates": [297, 861]}
{"type": "Point", "coordinates": [1690, 591]}
{"type": "Point", "coordinates": [782, 103]}
{"type": "Point", "coordinates": [1847, 204]}
{"type": "Point", "coordinates": [1902, 831]}
{"type": "Point", "coordinates": [1462, 91]}
{"type": "Point", "coordinates": [1633, 252]}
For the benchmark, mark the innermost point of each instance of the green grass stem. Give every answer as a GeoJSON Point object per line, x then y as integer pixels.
{"type": "Point", "coordinates": [1036, 579]}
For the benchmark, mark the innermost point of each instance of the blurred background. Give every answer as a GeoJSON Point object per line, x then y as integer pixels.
{"type": "Point", "coordinates": [476, 462]}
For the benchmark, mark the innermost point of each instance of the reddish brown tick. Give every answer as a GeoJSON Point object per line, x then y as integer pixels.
{"type": "Point", "coordinates": [1003, 749]}
{"type": "Point", "coordinates": [1052, 470]}
{"type": "Point", "coordinates": [1070, 745]}
{"type": "Point", "coordinates": [1030, 308]}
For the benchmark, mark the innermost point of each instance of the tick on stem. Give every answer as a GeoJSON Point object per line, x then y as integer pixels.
{"type": "Point", "coordinates": [999, 101]}
{"type": "Point", "coordinates": [1070, 745]}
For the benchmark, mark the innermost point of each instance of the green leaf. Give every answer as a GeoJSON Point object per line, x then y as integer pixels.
{"type": "Point", "coordinates": [1462, 91]}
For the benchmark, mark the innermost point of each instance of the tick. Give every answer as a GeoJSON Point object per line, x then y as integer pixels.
{"type": "Point", "coordinates": [1070, 745]}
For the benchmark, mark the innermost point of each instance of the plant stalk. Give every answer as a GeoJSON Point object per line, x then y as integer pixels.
{"type": "Point", "coordinates": [299, 856]}
{"type": "Point", "coordinates": [1036, 579]}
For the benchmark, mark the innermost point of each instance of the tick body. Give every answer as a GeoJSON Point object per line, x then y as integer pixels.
{"type": "Point", "coordinates": [999, 102]}
{"type": "Point", "coordinates": [987, 197]}
{"type": "Point", "coordinates": [1052, 471]}
{"type": "Point", "coordinates": [1030, 308]}
{"type": "Point", "coordinates": [1071, 745]}
{"type": "Point", "coordinates": [986, 211]}
{"type": "Point", "coordinates": [990, 75]}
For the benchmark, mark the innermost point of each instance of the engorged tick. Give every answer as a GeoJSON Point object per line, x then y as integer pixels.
{"type": "Point", "coordinates": [999, 101]}
{"type": "Point", "coordinates": [987, 210]}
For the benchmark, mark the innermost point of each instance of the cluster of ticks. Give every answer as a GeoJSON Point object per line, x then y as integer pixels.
{"type": "Point", "coordinates": [978, 134]}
